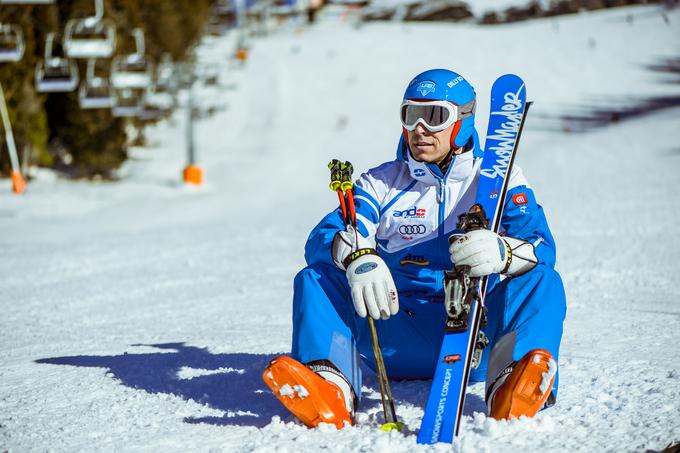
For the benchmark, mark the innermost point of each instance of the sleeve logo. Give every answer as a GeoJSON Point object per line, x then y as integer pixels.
{"type": "Point", "coordinates": [520, 199]}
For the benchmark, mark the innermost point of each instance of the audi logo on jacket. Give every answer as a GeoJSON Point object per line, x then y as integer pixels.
{"type": "Point", "coordinates": [407, 207]}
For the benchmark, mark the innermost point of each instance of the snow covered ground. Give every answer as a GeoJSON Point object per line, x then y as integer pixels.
{"type": "Point", "coordinates": [137, 316]}
{"type": "Point", "coordinates": [477, 7]}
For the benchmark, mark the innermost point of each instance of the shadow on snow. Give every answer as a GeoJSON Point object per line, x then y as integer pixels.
{"type": "Point", "coordinates": [235, 385]}
{"type": "Point", "coordinates": [237, 388]}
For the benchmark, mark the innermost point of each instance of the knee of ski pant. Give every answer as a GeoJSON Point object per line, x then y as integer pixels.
{"type": "Point", "coordinates": [320, 276]}
{"type": "Point", "coordinates": [541, 288]}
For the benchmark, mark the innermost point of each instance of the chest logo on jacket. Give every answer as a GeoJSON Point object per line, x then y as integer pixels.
{"type": "Point", "coordinates": [412, 229]}
{"type": "Point", "coordinates": [418, 260]}
{"type": "Point", "coordinates": [413, 212]}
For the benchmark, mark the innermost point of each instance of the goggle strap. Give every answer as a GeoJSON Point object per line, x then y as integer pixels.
{"type": "Point", "coordinates": [467, 110]}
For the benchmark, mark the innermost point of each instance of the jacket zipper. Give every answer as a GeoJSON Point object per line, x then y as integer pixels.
{"type": "Point", "coordinates": [441, 200]}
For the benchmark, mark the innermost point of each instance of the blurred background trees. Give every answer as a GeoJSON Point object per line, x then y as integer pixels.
{"type": "Point", "coordinates": [51, 127]}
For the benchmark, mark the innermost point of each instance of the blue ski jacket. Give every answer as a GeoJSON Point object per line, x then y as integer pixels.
{"type": "Point", "coordinates": [409, 209]}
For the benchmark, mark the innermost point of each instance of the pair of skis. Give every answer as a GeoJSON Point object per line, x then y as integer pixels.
{"type": "Point", "coordinates": [463, 344]}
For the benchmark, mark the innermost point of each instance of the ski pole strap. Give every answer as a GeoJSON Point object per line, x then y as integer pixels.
{"type": "Point", "coordinates": [359, 253]}
{"type": "Point", "coordinates": [508, 254]}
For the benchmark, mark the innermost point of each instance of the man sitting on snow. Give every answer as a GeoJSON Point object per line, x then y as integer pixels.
{"type": "Point", "coordinates": [406, 211]}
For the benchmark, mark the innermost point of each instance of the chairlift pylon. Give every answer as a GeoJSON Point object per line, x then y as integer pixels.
{"type": "Point", "coordinates": [133, 70]}
{"type": "Point", "coordinates": [55, 74]}
{"type": "Point", "coordinates": [90, 37]}
{"type": "Point", "coordinates": [11, 43]}
{"type": "Point", "coordinates": [95, 92]}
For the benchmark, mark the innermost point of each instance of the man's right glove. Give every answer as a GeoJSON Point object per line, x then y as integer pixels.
{"type": "Point", "coordinates": [372, 286]}
{"type": "Point", "coordinates": [345, 242]}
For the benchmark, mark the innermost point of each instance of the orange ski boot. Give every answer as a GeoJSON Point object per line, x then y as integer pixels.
{"type": "Point", "coordinates": [310, 397]}
{"type": "Point", "coordinates": [523, 389]}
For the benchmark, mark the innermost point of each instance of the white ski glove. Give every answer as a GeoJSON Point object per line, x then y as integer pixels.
{"type": "Point", "coordinates": [372, 286]}
{"type": "Point", "coordinates": [345, 242]}
{"type": "Point", "coordinates": [488, 253]}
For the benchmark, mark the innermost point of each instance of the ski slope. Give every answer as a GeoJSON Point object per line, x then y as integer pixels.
{"type": "Point", "coordinates": [138, 315]}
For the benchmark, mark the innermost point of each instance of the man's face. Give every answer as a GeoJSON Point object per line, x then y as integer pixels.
{"type": "Point", "coordinates": [430, 147]}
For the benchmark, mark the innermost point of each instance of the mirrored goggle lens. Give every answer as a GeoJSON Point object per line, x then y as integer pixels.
{"type": "Point", "coordinates": [433, 115]}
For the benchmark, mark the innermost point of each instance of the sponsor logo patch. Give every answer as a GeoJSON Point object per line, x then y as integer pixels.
{"type": "Point", "coordinates": [412, 229]}
{"type": "Point", "coordinates": [451, 359]}
{"type": "Point", "coordinates": [455, 81]}
{"type": "Point", "coordinates": [520, 199]}
{"type": "Point", "coordinates": [419, 172]}
{"type": "Point", "coordinates": [411, 213]}
{"type": "Point", "coordinates": [418, 260]}
{"type": "Point", "coordinates": [426, 87]}
{"type": "Point", "coordinates": [494, 194]}
{"type": "Point", "coordinates": [366, 267]}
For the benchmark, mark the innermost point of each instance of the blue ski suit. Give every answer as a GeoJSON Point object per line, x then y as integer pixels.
{"type": "Point", "coordinates": [409, 209]}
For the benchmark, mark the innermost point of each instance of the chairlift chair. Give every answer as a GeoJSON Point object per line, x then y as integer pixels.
{"type": "Point", "coordinates": [11, 43]}
{"type": "Point", "coordinates": [166, 75]}
{"type": "Point", "coordinates": [55, 74]}
{"type": "Point", "coordinates": [209, 74]}
{"type": "Point", "coordinates": [157, 105]}
{"type": "Point", "coordinates": [128, 103]}
{"type": "Point", "coordinates": [26, 2]}
{"type": "Point", "coordinates": [133, 70]}
{"type": "Point", "coordinates": [91, 37]}
{"type": "Point", "coordinates": [95, 92]}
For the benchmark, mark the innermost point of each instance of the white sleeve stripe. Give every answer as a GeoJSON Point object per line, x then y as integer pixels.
{"type": "Point", "coordinates": [369, 202]}
{"type": "Point", "coordinates": [371, 227]}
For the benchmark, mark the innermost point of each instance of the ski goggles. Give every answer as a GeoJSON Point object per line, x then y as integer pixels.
{"type": "Point", "coordinates": [433, 115]}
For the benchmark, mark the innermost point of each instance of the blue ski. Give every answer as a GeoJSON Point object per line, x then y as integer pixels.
{"type": "Point", "coordinates": [463, 344]}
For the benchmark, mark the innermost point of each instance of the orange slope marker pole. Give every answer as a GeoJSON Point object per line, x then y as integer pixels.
{"type": "Point", "coordinates": [18, 182]}
{"type": "Point", "coordinates": [192, 174]}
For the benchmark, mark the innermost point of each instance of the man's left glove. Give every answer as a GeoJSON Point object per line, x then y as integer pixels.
{"type": "Point", "coordinates": [488, 253]}
{"type": "Point", "coordinates": [373, 289]}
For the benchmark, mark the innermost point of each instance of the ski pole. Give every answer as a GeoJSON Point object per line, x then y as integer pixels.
{"type": "Point", "coordinates": [341, 182]}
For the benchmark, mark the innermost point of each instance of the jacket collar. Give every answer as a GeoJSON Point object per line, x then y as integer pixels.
{"type": "Point", "coordinates": [461, 168]}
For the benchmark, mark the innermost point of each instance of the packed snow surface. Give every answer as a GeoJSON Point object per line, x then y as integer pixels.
{"type": "Point", "coordinates": [139, 315]}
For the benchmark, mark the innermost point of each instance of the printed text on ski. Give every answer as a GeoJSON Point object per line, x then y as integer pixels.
{"type": "Point", "coordinates": [439, 419]}
{"type": "Point", "coordinates": [506, 134]}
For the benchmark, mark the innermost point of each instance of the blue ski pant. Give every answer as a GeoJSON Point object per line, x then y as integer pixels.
{"type": "Point", "coordinates": [524, 313]}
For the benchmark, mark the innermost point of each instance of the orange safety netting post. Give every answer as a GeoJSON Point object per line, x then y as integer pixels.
{"type": "Point", "coordinates": [193, 174]}
{"type": "Point", "coordinates": [241, 54]}
{"type": "Point", "coordinates": [18, 182]}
